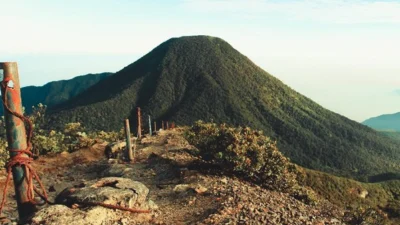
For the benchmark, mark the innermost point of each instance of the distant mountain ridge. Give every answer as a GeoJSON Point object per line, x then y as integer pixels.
{"type": "Point", "coordinates": [57, 92]}
{"type": "Point", "coordinates": [386, 122]}
{"type": "Point", "coordinates": [200, 77]}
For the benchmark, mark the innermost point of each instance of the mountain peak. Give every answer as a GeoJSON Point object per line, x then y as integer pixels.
{"type": "Point", "coordinates": [204, 78]}
{"type": "Point", "coordinates": [194, 38]}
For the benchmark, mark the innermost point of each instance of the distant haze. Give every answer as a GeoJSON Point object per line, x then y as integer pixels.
{"type": "Point", "coordinates": [342, 54]}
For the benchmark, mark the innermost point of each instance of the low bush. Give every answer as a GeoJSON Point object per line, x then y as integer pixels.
{"type": "Point", "coordinates": [365, 216]}
{"type": "Point", "coordinates": [245, 152]}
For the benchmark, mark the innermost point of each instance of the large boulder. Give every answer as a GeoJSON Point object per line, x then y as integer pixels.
{"type": "Point", "coordinates": [61, 214]}
{"type": "Point", "coordinates": [110, 190]}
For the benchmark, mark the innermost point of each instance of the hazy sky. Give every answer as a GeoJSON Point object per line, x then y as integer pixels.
{"type": "Point", "coordinates": [343, 54]}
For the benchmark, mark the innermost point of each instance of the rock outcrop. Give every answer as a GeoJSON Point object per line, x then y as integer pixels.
{"type": "Point", "coordinates": [115, 191]}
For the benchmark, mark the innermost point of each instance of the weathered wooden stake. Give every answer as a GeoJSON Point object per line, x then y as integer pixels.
{"type": "Point", "coordinates": [128, 153]}
{"type": "Point", "coordinates": [162, 125]}
{"type": "Point", "coordinates": [150, 126]}
{"type": "Point", "coordinates": [167, 126]}
{"type": "Point", "coordinates": [155, 127]}
{"type": "Point", "coordinates": [16, 137]}
{"type": "Point", "coordinates": [139, 122]}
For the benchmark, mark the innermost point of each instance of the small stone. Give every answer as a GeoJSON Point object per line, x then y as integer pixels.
{"type": "Point", "coordinates": [334, 220]}
{"type": "Point", "coordinates": [64, 153]}
{"type": "Point", "coordinates": [181, 188]}
{"type": "Point", "coordinates": [363, 194]}
{"type": "Point", "coordinates": [192, 201]}
{"type": "Point", "coordinates": [224, 180]}
{"type": "Point", "coordinates": [200, 189]}
{"type": "Point", "coordinates": [37, 219]}
{"type": "Point", "coordinates": [52, 189]}
{"type": "Point", "coordinates": [124, 221]}
{"type": "Point", "coordinates": [152, 205]}
{"type": "Point", "coordinates": [112, 161]}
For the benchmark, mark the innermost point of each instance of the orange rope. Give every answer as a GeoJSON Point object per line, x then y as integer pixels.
{"type": "Point", "coordinates": [20, 159]}
{"type": "Point", "coordinates": [109, 206]}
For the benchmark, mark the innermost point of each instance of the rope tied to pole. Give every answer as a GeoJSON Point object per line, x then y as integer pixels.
{"type": "Point", "coordinates": [23, 157]}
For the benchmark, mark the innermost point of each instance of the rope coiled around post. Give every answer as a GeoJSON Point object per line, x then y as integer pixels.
{"type": "Point", "coordinates": [23, 157]}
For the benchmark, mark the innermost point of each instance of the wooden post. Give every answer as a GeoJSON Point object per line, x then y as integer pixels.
{"type": "Point", "coordinates": [167, 126]}
{"type": "Point", "coordinates": [128, 152]}
{"type": "Point", "coordinates": [139, 122]}
{"type": "Point", "coordinates": [150, 126]}
{"type": "Point", "coordinates": [155, 127]}
{"type": "Point", "coordinates": [16, 137]}
{"type": "Point", "coordinates": [162, 125]}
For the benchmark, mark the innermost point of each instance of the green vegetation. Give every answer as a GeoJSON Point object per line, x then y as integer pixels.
{"type": "Point", "coordinates": [388, 122]}
{"type": "Point", "coordinates": [72, 137]}
{"type": "Point", "coordinates": [191, 78]}
{"type": "Point", "coordinates": [383, 197]}
{"type": "Point", "coordinates": [248, 154]}
{"type": "Point", "coordinates": [243, 151]}
{"type": "Point", "coordinates": [57, 92]}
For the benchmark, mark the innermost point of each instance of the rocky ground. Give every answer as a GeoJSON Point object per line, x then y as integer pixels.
{"type": "Point", "coordinates": [170, 182]}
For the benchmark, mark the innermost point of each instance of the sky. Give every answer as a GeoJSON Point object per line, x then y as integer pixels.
{"type": "Point", "coordinates": [343, 54]}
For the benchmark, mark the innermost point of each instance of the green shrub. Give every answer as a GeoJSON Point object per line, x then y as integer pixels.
{"type": "Point", "coordinates": [52, 142]}
{"type": "Point", "coordinates": [72, 137]}
{"type": "Point", "coordinates": [365, 216]}
{"type": "Point", "coordinates": [304, 194]}
{"type": "Point", "coordinates": [111, 136]}
{"type": "Point", "coordinates": [245, 152]}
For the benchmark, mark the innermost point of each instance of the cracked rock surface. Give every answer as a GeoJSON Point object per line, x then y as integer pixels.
{"type": "Point", "coordinates": [111, 190]}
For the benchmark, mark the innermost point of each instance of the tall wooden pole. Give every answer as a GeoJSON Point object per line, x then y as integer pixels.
{"type": "Point", "coordinates": [16, 137]}
{"type": "Point", "coordinates": [128, 153]}
{"type": "Point", "coordinates": [150, 126]}
{"type": "Point", "coordinates": [139, 122]}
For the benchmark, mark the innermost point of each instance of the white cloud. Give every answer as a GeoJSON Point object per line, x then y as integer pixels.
{"type": "Point", "coordinates": [332, 11]}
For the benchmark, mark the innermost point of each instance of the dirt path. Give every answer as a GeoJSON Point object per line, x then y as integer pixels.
{"type": "Point", "coordinates": [183, 193]}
